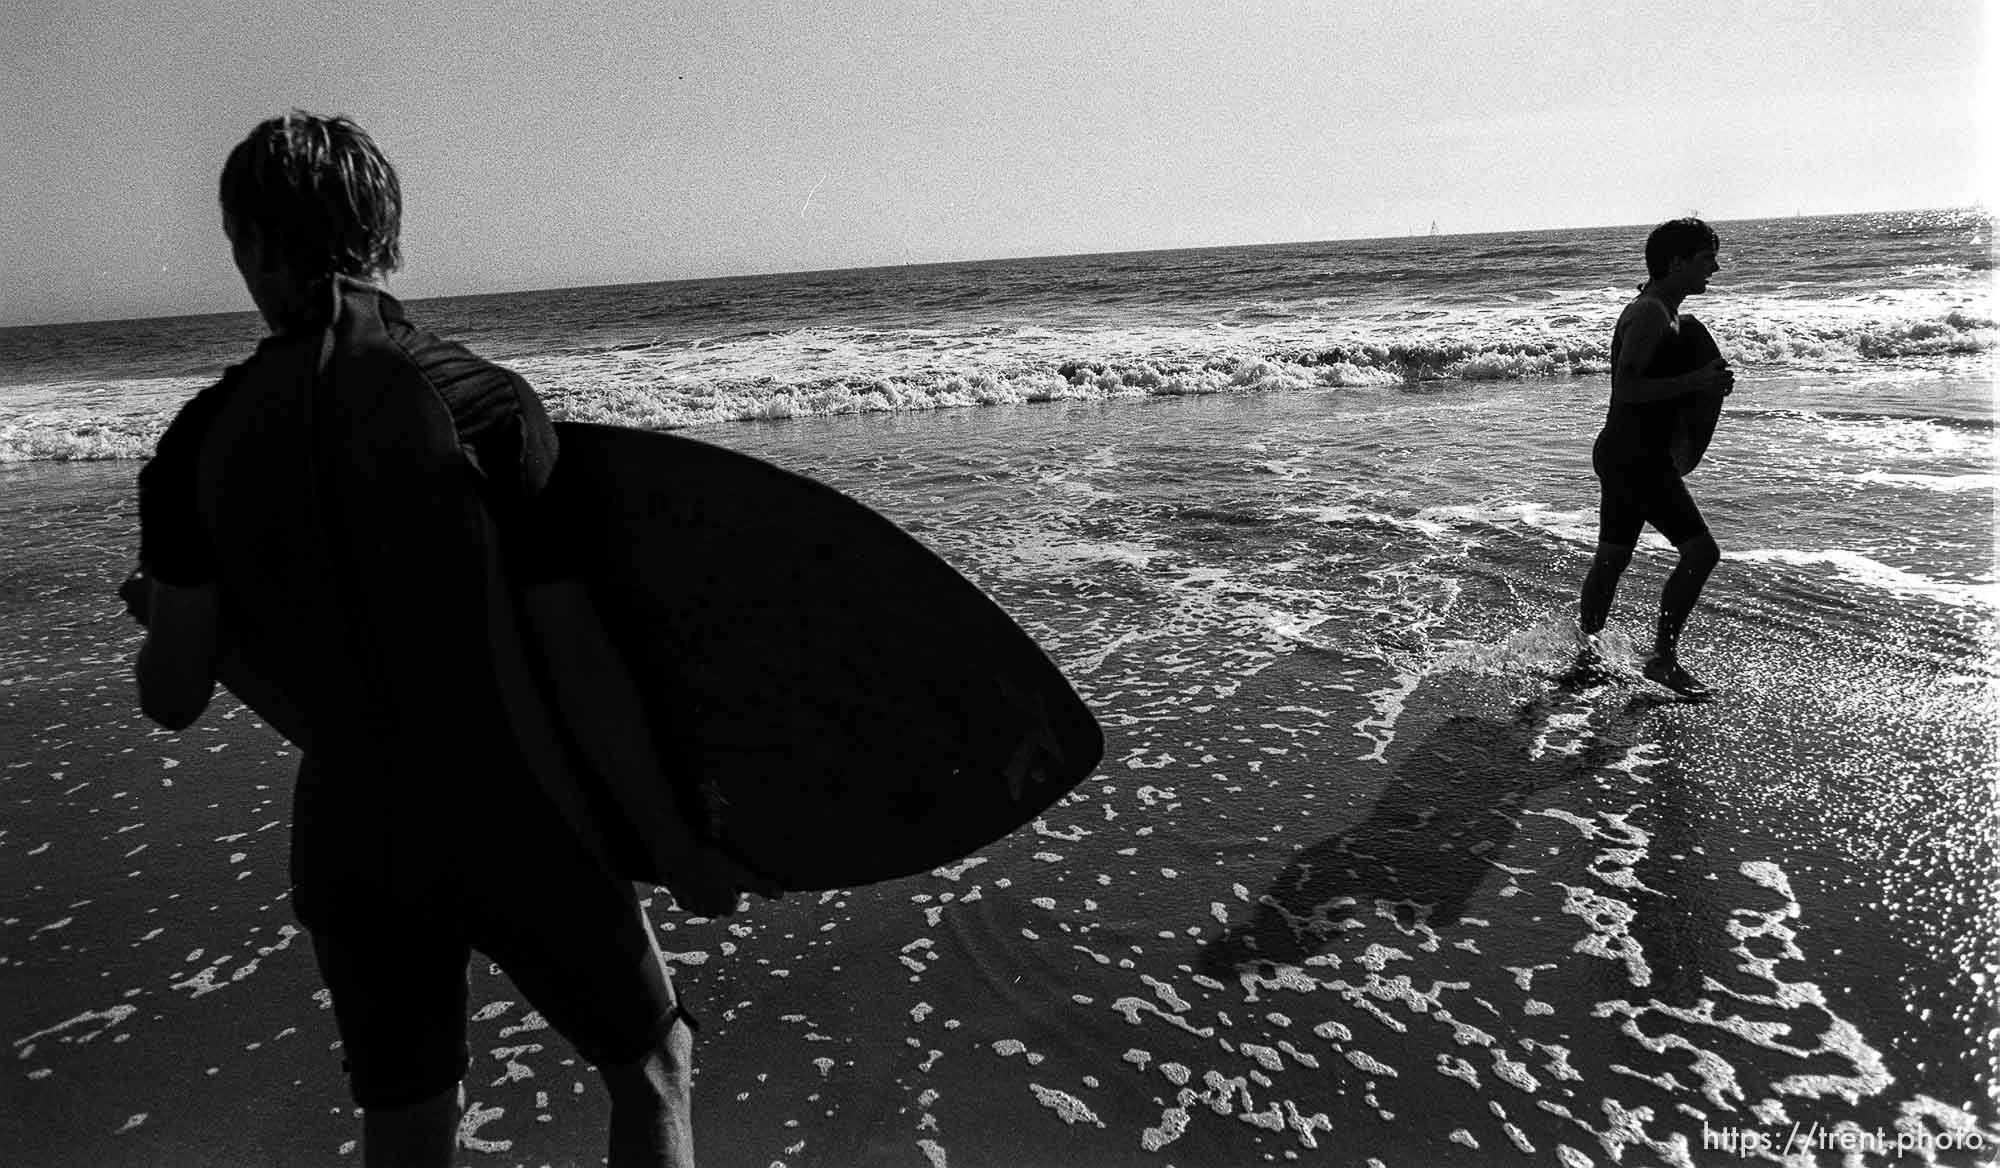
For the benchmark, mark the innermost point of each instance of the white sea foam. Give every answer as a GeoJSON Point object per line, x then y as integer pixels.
{"type": "Point", "coordinates": [1918, 438]}
{"type": "Point", "coordinates": [822, 369]}
{"type": "Point", "coordinates": [1873, 573]}
{"type": "Point", "coordinates": [1944, 484]}
{"type": "Point", "coordinates": [1572, 526]}
{"type": "Point", "coordinates": [1072, 1110]}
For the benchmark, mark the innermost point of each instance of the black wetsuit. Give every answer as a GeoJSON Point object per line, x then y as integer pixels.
{"type": "Point", "coordinates": [1632, 457]}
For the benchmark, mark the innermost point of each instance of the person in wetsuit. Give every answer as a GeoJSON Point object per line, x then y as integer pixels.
{"type": "Point", "coordinates": [421, 828]}
{"type": "Point", "coordinates": [1658, 360]}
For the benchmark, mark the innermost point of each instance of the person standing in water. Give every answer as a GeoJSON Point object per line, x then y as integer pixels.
{"type": "Point", "coordinates": [1660, 361]}
{"type": "Point", "coordinates": [426, 820]}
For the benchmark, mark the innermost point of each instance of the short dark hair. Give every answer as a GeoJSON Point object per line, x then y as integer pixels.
{"type": "Point", "coordinates": [1677, 238]}
{"type": "Point", "coordinates": [320, 192]}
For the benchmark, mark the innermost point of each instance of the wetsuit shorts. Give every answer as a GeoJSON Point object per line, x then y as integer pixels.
{"type": "Point", "coordinates": [1637, 493]}
{"type": "Point", "coordinates": [570, 935]}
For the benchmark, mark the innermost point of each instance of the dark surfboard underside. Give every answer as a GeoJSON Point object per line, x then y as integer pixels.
{"type": "Point", "coordinates": [1697, 414]}
{"type": "Point", "coordinates": [863, 710]}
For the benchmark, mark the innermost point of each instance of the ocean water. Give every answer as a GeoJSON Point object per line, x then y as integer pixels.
{"type": "Point", "coordinates": [1910, 292]}
{"type": "Point", "coordinates": [1362, 874]}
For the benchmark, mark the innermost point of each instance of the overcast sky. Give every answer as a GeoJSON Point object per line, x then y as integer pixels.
{"type": "Point", "coordinates": [585, 142]}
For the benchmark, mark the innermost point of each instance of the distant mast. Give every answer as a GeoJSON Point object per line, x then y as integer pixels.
{"type": "Point", "coordinates": [1434, 227]}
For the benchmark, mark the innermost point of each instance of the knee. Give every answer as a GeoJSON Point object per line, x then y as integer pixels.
{"type": "Point", "coordinates": [1612, 557]}
{"type": "Point", "coordinates": [1701, 554]}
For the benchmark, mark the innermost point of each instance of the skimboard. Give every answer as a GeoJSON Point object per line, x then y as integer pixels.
{"type": "Point", "coordinates": [864, 711]}
{"type": "Point", "coordinates": [1695, 415]}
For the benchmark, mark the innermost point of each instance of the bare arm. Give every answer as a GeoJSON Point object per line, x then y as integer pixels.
{"type": "Point", "coordinates": [160, 665]}
{"type": "Point", "coordinates": [177, 664]}
{"type": "Point", "coordinates": [1644, 325]}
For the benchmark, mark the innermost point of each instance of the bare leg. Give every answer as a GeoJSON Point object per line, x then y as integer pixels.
{"type": "Point", "coordinates": [652, 1116]}
{"type": "Point", "coordinates": [415, 1135]}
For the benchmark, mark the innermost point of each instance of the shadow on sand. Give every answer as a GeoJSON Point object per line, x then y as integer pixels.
{"type": "Point", "coordinates": [1449, 811]}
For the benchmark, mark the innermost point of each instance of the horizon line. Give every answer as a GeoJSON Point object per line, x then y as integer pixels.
{"type": "Point", "coordinates": [1977, 205]}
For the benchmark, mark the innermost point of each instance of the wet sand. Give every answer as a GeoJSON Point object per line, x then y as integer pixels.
{"type": "Point", "coordinates": [1387, 988]}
